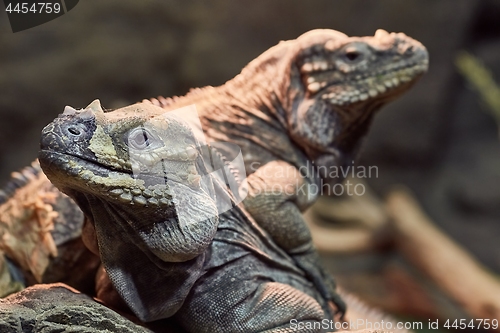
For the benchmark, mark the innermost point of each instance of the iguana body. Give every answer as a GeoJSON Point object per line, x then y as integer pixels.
{"type": "Point", "coordinates": [165, 245]}
{"type": "Point", "coordinates": [309, 99]}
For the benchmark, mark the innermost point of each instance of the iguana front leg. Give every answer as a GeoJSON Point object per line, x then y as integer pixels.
{"type": "Point", "coordinates": [277, 195]}
{"type": "Point", "coordinates": [248, 295]}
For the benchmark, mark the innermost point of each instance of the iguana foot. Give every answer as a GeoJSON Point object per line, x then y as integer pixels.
{"type": "Point", "coordinates": [310, 263]}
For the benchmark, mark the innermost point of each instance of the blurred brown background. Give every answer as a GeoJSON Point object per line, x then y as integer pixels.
{"type": "Point", "coordinates": [439, 139]}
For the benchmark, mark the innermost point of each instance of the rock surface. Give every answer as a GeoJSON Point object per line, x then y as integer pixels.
{"type": "Point", "coordinates": [55, 308]}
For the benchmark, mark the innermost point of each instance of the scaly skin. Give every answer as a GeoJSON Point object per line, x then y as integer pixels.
{"type": "Point", "coordinates": [143, 181]}
{"type": "Point", "coordinates": [304, 104]}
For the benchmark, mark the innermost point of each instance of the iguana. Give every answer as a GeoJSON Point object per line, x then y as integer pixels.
{"type": "Point", "coordinates": [141, 178]}
{"type": "Point", "coordinates": [309, 99]}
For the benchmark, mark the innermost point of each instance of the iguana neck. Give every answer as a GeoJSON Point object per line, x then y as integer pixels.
{"type": "Point", "coordinates": [248, 110]}
{"type": "Point", "coordinates": [308, 99]}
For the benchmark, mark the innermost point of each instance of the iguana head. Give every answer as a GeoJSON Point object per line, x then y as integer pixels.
{"type": "Point", "coordinates": [138, 168]}
{"type": "Point", "coordinates": [326, 86]}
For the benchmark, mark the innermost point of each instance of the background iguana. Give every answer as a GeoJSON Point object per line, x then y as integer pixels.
{"type": "Point", "coordinates": [306, 99]}
{"type": "Point", "coordinates": [304, 104]}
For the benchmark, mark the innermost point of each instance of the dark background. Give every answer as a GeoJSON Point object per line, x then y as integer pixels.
{"type": "Point", "coordinates": [439, 139]}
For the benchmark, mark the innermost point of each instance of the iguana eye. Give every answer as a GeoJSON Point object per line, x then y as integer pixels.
{"type": "Point", "coordinates": [140, 138]}
{"type": "Point", "coordinates": [355, 53]}
{"type": "Point", "coordinates": [352, 54]}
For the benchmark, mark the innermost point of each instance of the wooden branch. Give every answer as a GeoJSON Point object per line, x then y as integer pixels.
{"type": "Point", "coordinates": [356, 223]}
{"type": "Point", "coordinates": [330, 240]}
{"type": "Point", "coordinates": [444, 261]}
{"type": "Point", "coordinates": [366, 210]}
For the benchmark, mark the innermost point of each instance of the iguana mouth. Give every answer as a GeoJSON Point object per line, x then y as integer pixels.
{"type": "Point", "coordinates": [99, 167]}
{"type": "Point", "coordinates": [370, 86]}
{"type": "Point", "coordinates": [85, 174]}
{"type": "Point", "coordinates": [122, 185]}
{"type": "Point", "coordinates": [72, 163]}
{"type": "Point", "coordinates": [359, 88]}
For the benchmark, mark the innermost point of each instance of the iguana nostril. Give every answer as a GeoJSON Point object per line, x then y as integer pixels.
{"type": "Point", "coordinates": [74, 130]}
